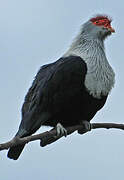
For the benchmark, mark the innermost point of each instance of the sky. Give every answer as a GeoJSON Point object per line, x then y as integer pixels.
{"type": "Point", "coordinates": [33, 33]}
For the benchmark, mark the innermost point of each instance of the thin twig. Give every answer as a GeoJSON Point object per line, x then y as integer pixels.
{"type": "Point", "coordinates": [49, 137]}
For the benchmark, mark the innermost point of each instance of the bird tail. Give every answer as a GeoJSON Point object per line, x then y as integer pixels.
{"type": "Point", "coordinates": [14, 152]}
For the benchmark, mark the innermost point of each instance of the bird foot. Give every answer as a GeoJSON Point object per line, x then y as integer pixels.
{"type": "Point", "coordinates": [86, 127]}
{"type": "Point", "coordinates": [60, 130]}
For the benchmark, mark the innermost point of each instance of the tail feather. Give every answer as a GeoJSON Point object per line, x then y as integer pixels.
{"type": "Point", "coordinates": [14, 152]}
{"type": "Point", "coordinates": [32, 126]}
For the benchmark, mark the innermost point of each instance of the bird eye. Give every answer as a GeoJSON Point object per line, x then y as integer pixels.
{"type": "Point", "coordinates": [97, 22]}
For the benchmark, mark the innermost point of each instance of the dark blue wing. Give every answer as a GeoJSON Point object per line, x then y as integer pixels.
{"type": "Point", "coordinates": [33, 96]}
{"type": "Point", "coordinates": [63, 72]}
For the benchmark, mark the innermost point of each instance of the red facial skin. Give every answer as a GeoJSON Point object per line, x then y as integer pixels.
{"type": "Point", "coordinates": [102, 21]}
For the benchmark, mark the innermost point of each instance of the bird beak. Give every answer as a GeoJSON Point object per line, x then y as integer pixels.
{"type": "Point", "coordinates": [111, 29]}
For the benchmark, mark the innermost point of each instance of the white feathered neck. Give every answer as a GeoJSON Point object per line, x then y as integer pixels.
{"type": "Point", "coordinates": [100, 76]}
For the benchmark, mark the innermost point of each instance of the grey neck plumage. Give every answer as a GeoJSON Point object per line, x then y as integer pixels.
{"type": "Point", "coordinates": [99, 79]}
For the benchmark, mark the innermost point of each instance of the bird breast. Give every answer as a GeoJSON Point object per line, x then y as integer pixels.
{"type": "Point", "coordinates": [99, 79]}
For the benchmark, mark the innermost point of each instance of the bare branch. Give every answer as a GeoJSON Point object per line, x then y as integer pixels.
{"type": "Point", "coordinates": [49, 137]}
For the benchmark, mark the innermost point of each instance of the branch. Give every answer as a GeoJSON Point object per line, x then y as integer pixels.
{"type": "Point", "coordinates": [49, 137]}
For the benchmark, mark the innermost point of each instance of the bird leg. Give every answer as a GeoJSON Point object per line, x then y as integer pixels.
{"type": "Point", "coordinates": [60, 130]}
{"type": "Point", "coordinates": [86, 127]}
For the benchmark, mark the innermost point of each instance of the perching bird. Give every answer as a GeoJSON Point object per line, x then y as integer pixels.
{"type": "Point", "coordinates": [71, 90]}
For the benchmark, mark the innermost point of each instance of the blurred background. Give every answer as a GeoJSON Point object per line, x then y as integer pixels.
{"type": "Point", "coordinates": [33, 33]}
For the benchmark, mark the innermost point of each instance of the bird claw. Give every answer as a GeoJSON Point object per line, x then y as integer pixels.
{"type": "Point", "coordinates": [60, 130]}
{"type": "Point", "coordinates": [86, 127]}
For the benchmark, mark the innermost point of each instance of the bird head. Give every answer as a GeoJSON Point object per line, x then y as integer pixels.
{"type": "Point", "coordinates": [98, 27]}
